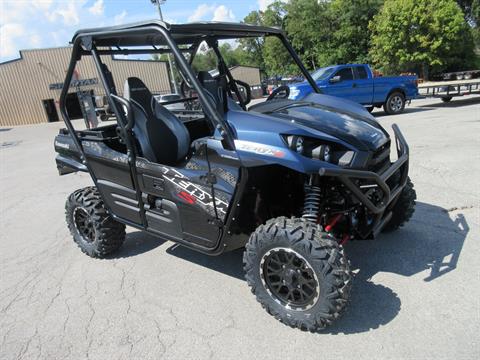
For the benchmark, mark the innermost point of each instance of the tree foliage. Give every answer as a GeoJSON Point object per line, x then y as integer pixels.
{"type": "Point", "coordinates": [309, 28]}
{"type": "Point", "coordinates": [396, 35]}
{"type": "Point", "coordinates": [420, 35]}
{"type": "Point", "coordinates": [350, 39]}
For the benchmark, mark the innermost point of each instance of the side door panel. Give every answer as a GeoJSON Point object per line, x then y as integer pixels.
{"type": "Point", "coordinates": [183, 202]}
{"type": "Point", "coordinates": [343, 88]}
{"type": "Point", "coordinates": [114, 180]}
{"type": "Point", "coordinates": [363, 90]}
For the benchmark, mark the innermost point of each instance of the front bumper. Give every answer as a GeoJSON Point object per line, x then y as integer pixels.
{"type": "Point", "coordinates": [348, 177]}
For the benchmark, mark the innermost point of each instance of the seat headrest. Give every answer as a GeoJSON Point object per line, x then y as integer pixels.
{"type": "Point", "coordinates": [136, 90]}
{"type": "Point", "coordinates": [206, 79]}
{"type": "Point", "coordinates": [215, 87]}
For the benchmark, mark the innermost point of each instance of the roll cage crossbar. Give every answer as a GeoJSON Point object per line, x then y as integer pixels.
{"type": "Point", "coordinates": [117, 39]}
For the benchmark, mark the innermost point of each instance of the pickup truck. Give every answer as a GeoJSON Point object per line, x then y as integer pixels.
{"type": "Point", "coordinates": [356, 82]}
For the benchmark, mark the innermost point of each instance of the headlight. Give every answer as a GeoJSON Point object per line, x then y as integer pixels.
{"type": "Point", "coordinates": [319, 150]}
{"type": "Point", "coordinates": [322, 152]}
{"type": "Point", "coordinates": [296, 143]}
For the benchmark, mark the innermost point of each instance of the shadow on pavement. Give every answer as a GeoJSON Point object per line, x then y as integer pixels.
{"type": "Point", "coordinates": [229, 263]}
{"type": "Point", "coordinates": [408, 110]}
{"type": "Point", "coordinates": [137, 243]}
{"type": "Point", "coordinates": [455, 102]}
{"type": "Point", "coordinates": [431, 242]}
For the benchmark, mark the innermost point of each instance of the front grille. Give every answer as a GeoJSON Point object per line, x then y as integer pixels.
{"type": "Point", "coordinates": [380, 159]}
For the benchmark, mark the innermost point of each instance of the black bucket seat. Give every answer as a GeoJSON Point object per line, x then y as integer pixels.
{"type": "Point", "coordinates": [161, 136]}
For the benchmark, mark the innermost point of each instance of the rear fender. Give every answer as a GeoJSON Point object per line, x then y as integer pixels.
{"type": "Point", "coordinates": [67, 165]}
{"type": "Point", "coordinates": [68, 158]}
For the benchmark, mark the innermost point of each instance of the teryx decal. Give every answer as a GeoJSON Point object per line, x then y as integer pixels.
{"type": "Point", "coordinates": [257, 148]}
{"type": "Point", "coordinates": [187, 197]}
{"type": "Point", "coordinates": [192, 191]}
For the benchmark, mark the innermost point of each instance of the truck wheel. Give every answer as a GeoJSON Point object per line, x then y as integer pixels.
{"type": "Point", "coordinates": [92, 228]}
{"type": "Point", "coordinates": [446, 99]}
{"type": "Point", "coordinates": [403, 209]}
{"type": "Point", "coordinates": [299, 274]}
{"type": "Point", "coordinates": [395, 103]}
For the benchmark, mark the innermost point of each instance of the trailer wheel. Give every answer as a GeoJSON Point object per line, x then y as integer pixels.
{"type": "Point", "coordinates": [446, 99]}
{"type": "Point", "coordinates": [395, 103]}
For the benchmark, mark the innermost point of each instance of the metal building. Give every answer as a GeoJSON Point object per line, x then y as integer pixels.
{"type": "Point", "coordinates": [30, 85]}
{"type": "Point", "coordinates": [248, 74]}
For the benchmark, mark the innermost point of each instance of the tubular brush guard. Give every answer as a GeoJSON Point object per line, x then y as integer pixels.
{"type": "Point", "coordinates": [347, 177]}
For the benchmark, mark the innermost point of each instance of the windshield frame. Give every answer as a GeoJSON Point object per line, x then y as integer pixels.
{"type": "Point", "coordinates": [286, 44]}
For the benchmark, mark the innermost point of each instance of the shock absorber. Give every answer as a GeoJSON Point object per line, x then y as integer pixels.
{"type": "Point", "coordinates": [311, 204]}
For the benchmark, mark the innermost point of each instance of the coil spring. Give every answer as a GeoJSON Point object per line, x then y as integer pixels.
{"type": "Point", "coordinates": [311, 204]}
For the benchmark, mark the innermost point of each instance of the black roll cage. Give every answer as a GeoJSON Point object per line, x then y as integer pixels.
{"type": "Point", "coordinates": [85, 42]}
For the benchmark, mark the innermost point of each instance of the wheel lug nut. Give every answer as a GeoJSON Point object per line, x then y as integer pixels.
{"type": "Point", "coordinates": [283, 266]}
{"type": "Point", "coordinates": [299, 271]}
{"type": "Point", "coordinates": [298, 286]}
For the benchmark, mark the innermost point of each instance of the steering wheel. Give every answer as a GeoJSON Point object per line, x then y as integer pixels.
{"type": "Point", "coordinates": [245, 95]}
{"type": "Point", "coordinates": [186, 89]}
{"type": "Point", "coordinates": [281, 92]}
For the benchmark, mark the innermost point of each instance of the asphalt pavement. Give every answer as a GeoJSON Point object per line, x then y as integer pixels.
{"type": "Point", "coordinates": [416, 292]}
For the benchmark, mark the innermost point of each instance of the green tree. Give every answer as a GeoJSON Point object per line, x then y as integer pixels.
{"type": "Point", "coordinates": [252, 47]}
{"type": "Point", "coordinates": [471, 10]}
{"type": "Point", "coordinates": [350, 39]}
{"type": "Point", "coordinates": [309, 28]}
{"type": "Point", "coordinates": [426, 35]}
{"type": "Point", "coordinates": [276, 57]}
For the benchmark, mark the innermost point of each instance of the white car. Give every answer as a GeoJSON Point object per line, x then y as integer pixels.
{"type": "Point", "coordinates": [171, 97]}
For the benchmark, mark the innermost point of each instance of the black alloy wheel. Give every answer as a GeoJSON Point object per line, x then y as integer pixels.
{"type": "Point", "coordinates": [289, 279]}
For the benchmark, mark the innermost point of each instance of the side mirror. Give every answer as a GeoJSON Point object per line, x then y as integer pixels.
{"type": "Point", "coordinates": [335, 79]}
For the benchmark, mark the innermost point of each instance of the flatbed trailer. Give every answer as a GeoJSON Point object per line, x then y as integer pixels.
{"type": "Point", "coordinates": [446, 90]}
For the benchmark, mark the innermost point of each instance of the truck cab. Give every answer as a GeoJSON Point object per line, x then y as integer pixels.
{"type": "Point", "coordinates": [356, 82]}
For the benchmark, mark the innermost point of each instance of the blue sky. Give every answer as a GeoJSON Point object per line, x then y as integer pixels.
{"type": "Point", "coordinates": [27, 24]}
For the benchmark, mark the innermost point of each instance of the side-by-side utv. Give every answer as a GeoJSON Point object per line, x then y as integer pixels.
{"type": "Point", "coordinates": [290, 181]}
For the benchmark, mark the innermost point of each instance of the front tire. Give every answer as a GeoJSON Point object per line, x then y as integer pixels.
{"type": "Point", "coordinates": [298, 273]}
{"type": "Point", "coordinates": [403, 209]}
{"type": "Point", "coordinates": [94, 230]}
{"type": "Point", "coordinates": [395, 103]}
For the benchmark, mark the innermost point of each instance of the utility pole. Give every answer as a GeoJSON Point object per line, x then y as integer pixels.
{"type": "Point", "coordinates": [170, 64]}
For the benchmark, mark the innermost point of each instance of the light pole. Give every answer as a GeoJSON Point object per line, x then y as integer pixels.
{"type": "Point", "coordinates": [172, 75]}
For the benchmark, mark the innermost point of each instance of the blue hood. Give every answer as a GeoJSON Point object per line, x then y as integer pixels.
{"type": "Point", "coordinates": [319, 116]}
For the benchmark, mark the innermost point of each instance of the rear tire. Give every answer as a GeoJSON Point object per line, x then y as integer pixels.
{"type": "Point", "coordinates": [94, 230]}
{"type": "Point", "coordinates": [403, 209]}
{"type": "Point", "coordinates": [395, 103]}
{"type": "Point", "coordinates": [298, 273]}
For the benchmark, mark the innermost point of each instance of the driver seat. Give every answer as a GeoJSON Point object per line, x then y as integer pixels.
{"type": "Point", "coordinates": [161, 136]}
{"type": "Point", "coordinates": [215, 89]}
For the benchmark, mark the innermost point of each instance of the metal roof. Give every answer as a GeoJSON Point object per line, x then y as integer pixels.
{"type": "Point", "coordinates": [144, 33]}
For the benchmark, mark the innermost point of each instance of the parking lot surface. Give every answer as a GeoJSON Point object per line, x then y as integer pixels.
{"type": "Point", "coordinates": [416, 292]}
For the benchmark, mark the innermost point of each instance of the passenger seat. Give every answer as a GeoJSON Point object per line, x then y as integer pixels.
{"type": "Point", "coordinates": [162, 137]}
